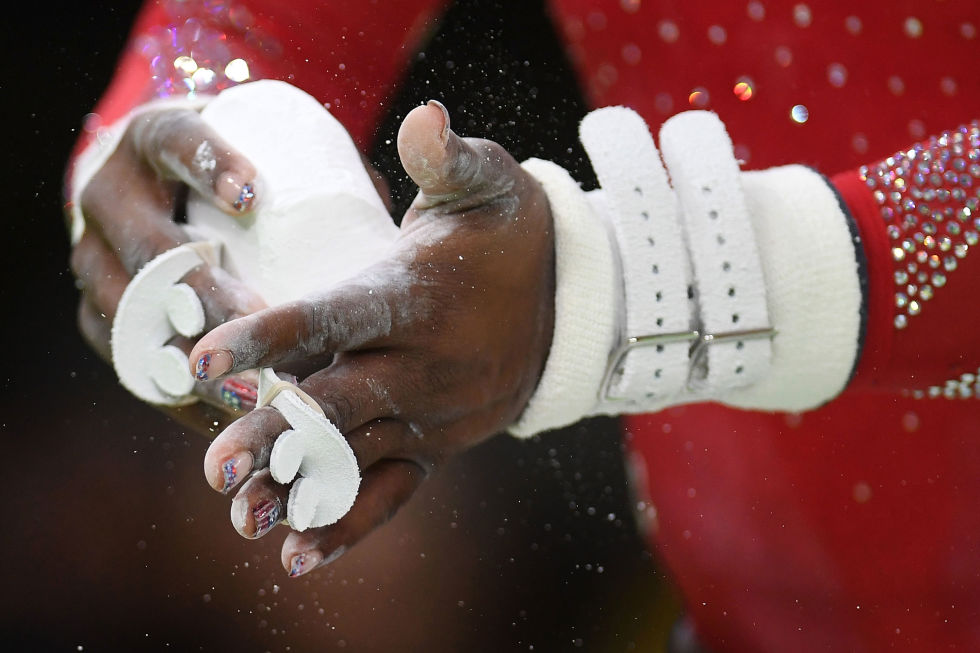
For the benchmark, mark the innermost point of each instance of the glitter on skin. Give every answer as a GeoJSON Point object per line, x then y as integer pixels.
{"type": "Point", "coordinates": [201, 369]}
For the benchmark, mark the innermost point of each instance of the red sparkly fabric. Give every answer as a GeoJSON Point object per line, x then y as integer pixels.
{"type": "Point", "coordinates": [854, 527]}
{"type": "Point", "coordinates": [849, 528]}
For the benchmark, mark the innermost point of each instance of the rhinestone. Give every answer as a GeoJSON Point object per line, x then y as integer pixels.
{"type": "Point", "coordinates": [971, 237]}
{"type": "Point", "coordinates": [898, 253]}
{"type": "Point", "coordinates": [934, 261]}
{"type": "Point", "coordinates": [879, 196]}
{"type": "Point", "coordinates": [901, 278]}
{"type": "Point", "coordinates": [894, 232]}
{"type": "Point", "coordinates": [901, 321]}
{"type": "Point", "coordinates": [934, 391]}
{"type": "Point", "coordinates": [914, 308]}
{"type": "Point", "coordinates": [918, 394]}
{"type": "Point", "coordinates": [959, 164]}
{"type": "Point", "coordinates": [929, 228]}
{"type": "Point", "coordinates": [949, 392]}
{"type": "Point", "coordinates": [918, 237]}
{"type": "Point", "coordinates": [887, 212]}
{"type": "Point", "coordinates": [922, 277]}
{"type": "Point", "coordinates": [929, 242]}
{"type": "Point", "coordinates": [968, 378]}
{"type": "Point", "coordinates": [912, 268]}
{"type": "Point", "coordinates": [929, 194]}
{"type": "Point", "coordinates": [942, 195]}
{"type": "Point", "coordinates": [953, 228]}
{"type": "Point", "coordinates": [908, 245]}
{"type": "Point", "coordinates": [925, 294]}
{"type": "Point", "coordinates": [921, 256]}
{"type": "Point", "coordinates": [945, 244]}
{"type": "Point", "coordinates": [901, 300]}
{"type": "Point", "coordinates": [960, 249]}
{"type": "Point", "coordinates": [949, 263]}
{"type": "Point", "coordinates": [911, 289]}
{"type": "Point", "coordinates": [938, 279]}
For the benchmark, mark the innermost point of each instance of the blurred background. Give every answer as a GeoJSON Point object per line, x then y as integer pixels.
{"type": "Point", "coordinates": [115, 542]}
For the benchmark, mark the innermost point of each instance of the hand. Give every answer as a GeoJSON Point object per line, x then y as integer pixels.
{"type": "Point", "coordinates": [436, 348]}
{"type": "Point", "coordinates": [129, 210]}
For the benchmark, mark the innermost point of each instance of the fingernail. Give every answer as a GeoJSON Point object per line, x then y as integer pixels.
{"type": "Point", "coordinates": [444, 136]}
{"type": "Point", "coordinates": [304, 562]}
{"type": "Point", "coordinates": [237, 192]}
{"type": "Point", "coordinates": [234, 469]}
{"type": "Point", "coordinates": [266, 514]}
{"type": "Point", "coordinates": [212, 364]}
{"type": "Point", "coordinates": [239, 394]}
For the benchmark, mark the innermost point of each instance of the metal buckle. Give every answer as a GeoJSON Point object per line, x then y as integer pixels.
{"type": "Point", "coordinates": [637, 343]}
{"type": "Point", "coordinates": [698, 350]}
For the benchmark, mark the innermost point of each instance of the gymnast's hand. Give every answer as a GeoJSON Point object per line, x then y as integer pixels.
{"type": "Point", "coordinates": [129, 208]}
{"type": "Point", "coordinates": [436, 348]}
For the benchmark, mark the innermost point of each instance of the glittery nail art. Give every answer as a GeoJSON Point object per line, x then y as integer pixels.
{"type": "Point", "coordinates": [297, 566]}
{"type": "Point", "coordinates": [266, 514]}
{"type": "Point", "coordinates": [230, 471]}
{"type": "Point", "coordinates": [239, 395]}
{"type": "Point", "coordinates": [201, 370]}
{"type": "Point", "coordinates": [245, 199]}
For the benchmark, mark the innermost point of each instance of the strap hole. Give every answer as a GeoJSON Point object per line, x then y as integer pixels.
{"type": "Point", "coordinates": [739, 345]}
{"type": "Point", "coordinates": [637, 190]}
{"type": "Point", "coordinates": [731, 291]}
{"type": "Point", "coordinates": [706, 190]}
{"type": "Point", "coordinates": [646, 216]}
{"type": "Point", "coordinates": [720, 239]}
{"type": "Point", "coordinates": [713, 214]}
{"type": "Point", "coordinates": [734, 318]}
{"type": "Point", "coordinates": [655, 268]}
{"type": "Point", "coordinates": [657, 373]}
{"type": "Point", "coordinates": [726, 266]}
{"type": "Point", "coordinates": [660, 295]}
{"type": "Point", "coordinates": [660, 321]}
{"type": "Point", "coordinates": [739, 369]}
{"type": "Point", "coordinates": [660, 349]}
{"type": "Point", "coordinates": [690, 292]}
{"type": "Point", "coordinates": [651, 241]}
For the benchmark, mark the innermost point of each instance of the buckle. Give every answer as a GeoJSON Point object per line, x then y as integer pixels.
{"type": "Point", "coordinates": [637, 343]}
{"type": "Point", "coordinates": [698, 350]}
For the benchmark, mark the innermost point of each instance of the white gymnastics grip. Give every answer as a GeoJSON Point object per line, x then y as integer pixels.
{"type": "Point", "coordinates": [153, 309]}
{"type": "Point", "coordinates": [313, 452]}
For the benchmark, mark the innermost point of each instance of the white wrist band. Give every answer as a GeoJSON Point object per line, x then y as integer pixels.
{"type": "Point", "coordinates": [706, 264]}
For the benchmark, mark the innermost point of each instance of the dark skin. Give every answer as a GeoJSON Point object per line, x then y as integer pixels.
{"type": "Point", "coordinates": [428, 352]}
{"type": "Point", "coordinates": [129, 219]}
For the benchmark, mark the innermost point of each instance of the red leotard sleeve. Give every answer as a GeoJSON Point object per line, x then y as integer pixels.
{"type": "Point", "coordinates": [347, 53]}
{"type": "Point", "coordinates": [917, 214]}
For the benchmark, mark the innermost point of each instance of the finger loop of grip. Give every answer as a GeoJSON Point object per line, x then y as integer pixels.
{"type": "Point", "coordinates": [313, 452]}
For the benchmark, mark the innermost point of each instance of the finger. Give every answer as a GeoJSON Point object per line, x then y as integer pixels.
{"type": "Point", "coordinates": [385, 487]}
{"type": "Point", "coordinates": [350, 397]}
{"type": "Point", "coordinates": [100, 273]}
{"type": "Point", "coordinates": [345, 318]}
{"type": "Point", "coordinates": [95, 328]}
{"type": "Point", "coordinates": [259, 505]}
{"type": "Point", "coordinates": [180, 145]}
{"type": "Point", "coordinates": [242, 447]}
{"type": "Point", "coordinates": [449, 170]}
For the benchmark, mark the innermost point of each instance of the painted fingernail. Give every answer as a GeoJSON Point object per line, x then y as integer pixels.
{"type": "Point", "coordinates": [239, 394]}
{"type": "Point", "coordinates": [237, 192]}
{"type": "Point", "coordinates": [212, 364]}
{"type": "Point", "coordinates": [266, 514]}
{"type": "Point", "coordinates": [304, 562]}
{"type": "Point", "coordinates": [444, 136]}
{"type": "Point", "coordinates": [235, 469]}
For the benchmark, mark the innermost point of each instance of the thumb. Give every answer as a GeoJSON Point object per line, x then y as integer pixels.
{"type": "Point", "coordinates": [444, 166]}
